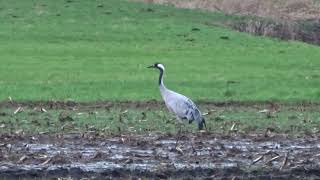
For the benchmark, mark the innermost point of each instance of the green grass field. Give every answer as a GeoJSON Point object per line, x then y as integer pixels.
{"type": "Point", "coordinates": [98, 50]}
{"type": "Point", "coordinates": [75, 92]}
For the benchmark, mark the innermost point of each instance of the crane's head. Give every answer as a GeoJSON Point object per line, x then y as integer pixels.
{"type": "Point", "coordinates": [158, 66]}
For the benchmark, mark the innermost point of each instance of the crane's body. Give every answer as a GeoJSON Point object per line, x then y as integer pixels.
{"type": "Point", "coordinates": [180, 105]}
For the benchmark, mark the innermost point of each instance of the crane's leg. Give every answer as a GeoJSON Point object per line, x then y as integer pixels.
{"type": "Point", "coordinates": [179, 125]}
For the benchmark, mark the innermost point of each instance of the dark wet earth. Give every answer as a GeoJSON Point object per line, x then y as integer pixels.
{"type": "Point", "coordinates": [157, 156]}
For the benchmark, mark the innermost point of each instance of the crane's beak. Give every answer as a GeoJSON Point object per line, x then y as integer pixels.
{"type": "Point", "coordinates": [151, 66]}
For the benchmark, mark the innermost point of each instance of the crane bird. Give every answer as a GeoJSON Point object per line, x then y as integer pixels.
{"type": "Point", "coordinates": [179, 104]}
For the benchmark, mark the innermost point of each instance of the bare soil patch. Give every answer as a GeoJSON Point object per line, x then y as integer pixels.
{"type": "Point", "coordinates": [159, 156]}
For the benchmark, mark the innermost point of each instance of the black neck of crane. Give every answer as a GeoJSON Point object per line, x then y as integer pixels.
{"type": "Point", "coordinates": [160, 77]}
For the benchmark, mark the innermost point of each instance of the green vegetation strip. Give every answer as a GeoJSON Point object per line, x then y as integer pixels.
{"type": "Point", "coordinates": [291, 120]}
{"type": "Point", "coordinates": [98, 50]}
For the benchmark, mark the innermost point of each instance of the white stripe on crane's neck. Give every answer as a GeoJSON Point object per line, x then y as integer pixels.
{"type": "Point", "coordinates": [161, 68]}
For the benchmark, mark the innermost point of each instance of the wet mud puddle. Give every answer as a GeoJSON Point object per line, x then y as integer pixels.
{"type": "Point", "coordinates": [159, 156]}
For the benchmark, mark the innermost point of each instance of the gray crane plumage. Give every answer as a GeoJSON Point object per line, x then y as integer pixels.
{"type": "Point", "coordinates": [177, 103]}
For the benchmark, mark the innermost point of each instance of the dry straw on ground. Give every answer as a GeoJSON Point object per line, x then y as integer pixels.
{"type": "Point", "coordinates": [284, 9]}
{"type": "Point", "coordinates": [286, 15]}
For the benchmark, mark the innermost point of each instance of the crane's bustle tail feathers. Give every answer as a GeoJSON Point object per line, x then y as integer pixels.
{"type": "Point", "coordinates": [201, 124]}
{"type": "Point", "coordinates": [204, 122]}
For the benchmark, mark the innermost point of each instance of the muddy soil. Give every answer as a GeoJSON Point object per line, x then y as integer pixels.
{"type": "Point", "coordinates": [159, 156]}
